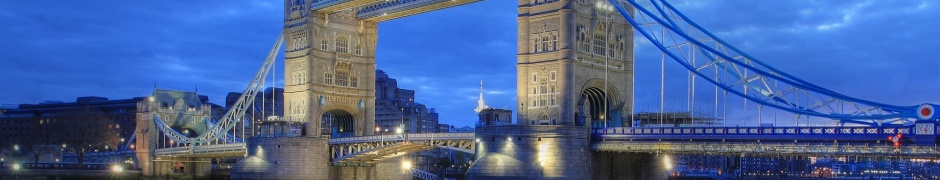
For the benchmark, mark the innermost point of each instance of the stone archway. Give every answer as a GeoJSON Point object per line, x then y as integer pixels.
{"type": "Point", "coordinates": [338, 123]}
{"type": "Point", "coordinates": [596, 107]}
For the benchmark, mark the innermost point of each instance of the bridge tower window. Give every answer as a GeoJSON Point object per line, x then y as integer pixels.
{"type": "Point", "coordinates": [342, 43]}
{"type": "Point", "coordinates": [552, 101]}
{"type": "Point", "coordinates": [328, 79]}
{"type": "Point", "coordinates": [354, 82]}
{"type": "Point", "coordinates": [324, 45]}
{"type": "Point", "coordinates": [342, 78]}
{"type": "Point", "coordinates": [585, 43]}
{"type": "Point", "coordinates": [535, 45]}
{"type": "Point", "coordinates": [544, 42]}
{"type": "Point", "coordinates": [600, 38]}
{"type": "Point", "coordinates": [554, 42]}
{"type": "Point", "coordinates": [358, 49]}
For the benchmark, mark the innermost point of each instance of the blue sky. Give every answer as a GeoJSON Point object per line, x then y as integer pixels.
{"type": "Point", "coordinates": [885, 51]}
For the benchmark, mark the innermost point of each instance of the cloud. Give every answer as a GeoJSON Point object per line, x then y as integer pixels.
{"type": "Point", "coordinates": [876, 50]}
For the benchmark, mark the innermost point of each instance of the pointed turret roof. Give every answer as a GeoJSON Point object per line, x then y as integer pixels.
{"type": "Point", "coordinates": [480, 104]}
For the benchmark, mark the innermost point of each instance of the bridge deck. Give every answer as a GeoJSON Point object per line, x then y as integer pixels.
{"type": "Point", "coordinates": [367, 150]}
{"type": "Point", "coordinates": [214, 150]}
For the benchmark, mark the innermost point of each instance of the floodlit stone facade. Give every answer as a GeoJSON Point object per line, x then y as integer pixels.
{"type": "Point", "coordinates": [329, 69]}
{"type": "Point", "coordinates": [563, 48]}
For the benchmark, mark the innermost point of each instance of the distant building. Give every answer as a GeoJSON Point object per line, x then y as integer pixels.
{"type": "Point", "coordinates": [33, 124]}
{"type": "Point", "coordinates": [395, 107]}
{"type": "Point", "coordinates": [27, 123]}
{"type": "Point", "coordinates": [493, 116]}
{"type": "Point", "coordinates": [465, 129]}
{"type": "Point", "coordinates": [268, 108]}
{"type": "Point", "coordinates": [443, 128]}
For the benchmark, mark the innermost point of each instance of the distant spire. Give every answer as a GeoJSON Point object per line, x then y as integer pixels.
{"type": "Point", "coordinates": [480, 104]}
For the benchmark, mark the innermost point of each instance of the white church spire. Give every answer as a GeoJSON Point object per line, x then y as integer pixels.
{"type": "Point", "coordinates": [480, 104]}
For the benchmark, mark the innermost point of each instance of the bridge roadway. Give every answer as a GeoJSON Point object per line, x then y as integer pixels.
{"type": "Point", "coordinates": [853, 141]}
{"type": "Point", "coordinates": [827, 141]}
{"type": "Point", "coordinates": [202, 151]}
{"type": "Point", "coordinates": [368, 150]}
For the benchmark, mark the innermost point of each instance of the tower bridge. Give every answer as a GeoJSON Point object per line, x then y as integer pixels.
{"type": "Point", "coordinates": [575, 73]}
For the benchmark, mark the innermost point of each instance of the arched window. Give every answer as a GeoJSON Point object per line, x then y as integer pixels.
{"type": "Point", "coordinates": [600, 38]}
{"type": "Point", "coordinates": [554, 42]}
{"type": "Point", "coordinates": [544, 43]}
{"type": "Point", "coordinates": [585, 42]}
{"type": "Point", "coordinates": [341, 44]}
{"type": "Point", "coordinates": [535, 45]}
{"type": "Point", "coordinates": [621, 46]}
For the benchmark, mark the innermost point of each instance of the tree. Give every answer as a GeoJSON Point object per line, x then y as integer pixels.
{"type": "Point", "coordinates": [84, 129]}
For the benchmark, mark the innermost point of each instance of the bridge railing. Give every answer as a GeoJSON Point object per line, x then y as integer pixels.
{"type": "Point", "coordinates": [399, 137]}
{"type": "Point", "coordinates": [201, 149]}
{"type": "Point", "coordinates": [441, 136]}
{"type": "Point", "coordinates": [905, 130]}
{"type": "Point", "coordinates": [172, 149]}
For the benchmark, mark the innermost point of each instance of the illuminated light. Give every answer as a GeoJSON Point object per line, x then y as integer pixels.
{"type": "Point", "coordinates": [16, 166]}
{"type": "Point", "coordinates": [398, 130]}
{"type": "Point", "coordinates": [509, 139]}
{"type": "Point", "coordinates": [667, 162]}
{"type": "Point", "coordinates": [478, 140]}
{"type": "Point", "coordinates": [117, 168]}
{"type": "Point", "coordinates": [406, 164]}
{"type": "Point", "coordinates": [63, 145]}
{"type": "Point", "coordinates": [16, 147]}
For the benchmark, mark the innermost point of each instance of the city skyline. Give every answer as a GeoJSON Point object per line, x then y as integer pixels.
{"type": "Point", "coordinates": [872, 50]}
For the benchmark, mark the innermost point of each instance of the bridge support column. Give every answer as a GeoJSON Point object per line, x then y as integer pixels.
{"type": "Point", "coordinates": [198, 169]}
{"type": "Point", "coordinates": [532, 152]}
{"type": "Point", "coordinates": [388, 169]}
{"type": "Point", "coordinates": [620, 165]}
{"type": "Point", "coordinates": [284, 158]}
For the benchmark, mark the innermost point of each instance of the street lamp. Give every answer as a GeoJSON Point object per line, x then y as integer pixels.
{"type": "Point", "coordinates": [667, 162]}
{"type": "Point", "coordinates": [117, 168]}
{"type": "Point", "coordinates": [607, 8]}
{"type": "Point", "coordinates": [402, 125]}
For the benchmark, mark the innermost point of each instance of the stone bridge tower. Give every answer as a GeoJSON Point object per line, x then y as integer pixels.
{"type": "Point", "coordinates": [565, 49]}
{"type": "Point", "coordinates": [575, 72]}
{"type": "Point", "coordinates": [329, 71]}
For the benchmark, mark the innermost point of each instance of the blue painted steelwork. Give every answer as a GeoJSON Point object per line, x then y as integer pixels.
{"type": "Point", "coordinates": [389, 7]}
{"type": "Point", "coordinates": [755, 133]}
{"type": "Point", "coordinates": [769, 86]}
{"type": "Point", "coordinates": [228, 138]}
{"type": "Point", "coordinates": [317, 5]}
